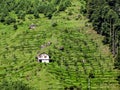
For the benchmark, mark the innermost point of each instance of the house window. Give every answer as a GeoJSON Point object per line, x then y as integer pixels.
{"type": "Point", "coordinates": [40, 56]}
{"type": "Point", "coordinates": [45, 56]}
{"type": "Point", "coordinates": [40, 60]}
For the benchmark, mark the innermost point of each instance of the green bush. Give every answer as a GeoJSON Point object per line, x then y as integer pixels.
{"type": "Point", "coordinates": [49, 15]}
{"type": "Point", "coordinates": [36, 14]}
{"type": "Point", "coordinates": [54, 24]}
{"type": "Point", "coordinates": [63, 5]}
{"type": "Point", "coordinates": [9, 20]}
{"type": "Point", "coordinates": [118, 78]}
{"type": "Point", "coordinates": [15, 27]}
{"type": "Point", "coordinates": [17, 85]}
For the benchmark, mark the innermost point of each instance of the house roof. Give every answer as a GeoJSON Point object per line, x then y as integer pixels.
{"type": "Point", "coordinates": [32, 26]}
{"type": "Point", "coordinates": [42, 54]}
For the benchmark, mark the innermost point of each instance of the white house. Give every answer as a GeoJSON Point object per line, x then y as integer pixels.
{"type": "Point", "coordinates": [44, 58]}
{"type": "Point", "coordinates": [32, 26]}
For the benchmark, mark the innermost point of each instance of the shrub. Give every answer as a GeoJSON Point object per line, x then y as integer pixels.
{"type": "Point", "coordinates": [21, 15]}
{"type": "Point", "coordinates": [70, 13]}
{"type": "Point", "coordinates": [31, 17]}
{"type": "Point", "coordinates": [91, 75]}
{"type": "Point", "coordinates": [36, 15]}
{"type": "Point", "coordinates": [9, 20]}
{"type": "Point", "coordinates": [118, 78]}
{"type": "Point", "coordinates": [64, 5]}
{"type": "Point", "coordinates": [49, 15]}
{"type": "Point", "coordinates": [15, 27]}
{"type": "Point", "coordinates": [17, 85]}
{"type": "Point", "coordinates": [54, 24]}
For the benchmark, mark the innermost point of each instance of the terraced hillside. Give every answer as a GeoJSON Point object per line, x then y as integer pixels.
{"type": "Point", "coordinates": [83, 63]}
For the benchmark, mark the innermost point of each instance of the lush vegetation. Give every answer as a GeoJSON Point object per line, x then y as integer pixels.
{"type": "Point", "coordinates": [12, 11]}
{"type": "Point", "coordinates": [105, 16]}
{"type": "Point", "coordinates": [17, 85]}
{"type": "Point", "coordinates": [79, 58]}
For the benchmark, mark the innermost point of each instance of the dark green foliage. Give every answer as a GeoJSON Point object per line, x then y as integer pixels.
{"type": "Point", "coordinates": [64, 5]}
{"type": "Point", "coordinates": [70, 13]}
{"type": "Point", "coordinates": [2, 17]}
{"type": "Point", "coordinates": [54, 24]}
{"type": "Point", "coordinates": [21, 14]}
{"type": "Point", "coordinates": [9, 20]}
{"type": "Point", "coordinates": [41, 7]}
{"type": "Point", "coordinates": [56, 2]}
{"type": "Point", "coordinates": [21, 8]}
{"type": "Point", "coordinates": [36, 14]}
{"type": "Point", "coordinates": [117, 60]}
{"type": "Point", "coordinates": [105, 16]}
{"type": "Point", "coordinates": [15, 27]}
{"type": "Point", "coordinates": [73, 88]}
{"type": "Point", "coordinates": [17, 85]}
{"type": "Point", "coordinates": [91, 75]}
{"type": "Point", "coordinates": [49, 15]}
{"type": "Point", "coordinates": [49, 10]}
{"type": "Point", "coordinates": [118, 78]}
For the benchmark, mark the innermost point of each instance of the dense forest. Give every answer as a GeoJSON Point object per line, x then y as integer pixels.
{"type": "Point", "coordinates": [105, 16]}
{"type": "Point", "coordinates": [12, 11]}
{"type": "Point", "coordinates": [80, 57]}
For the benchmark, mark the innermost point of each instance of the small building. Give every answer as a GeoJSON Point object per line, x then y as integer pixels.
{"type": "Point", "coordinates": [44, 58]}
{"type": "Point", "coordinates": [32, 26]}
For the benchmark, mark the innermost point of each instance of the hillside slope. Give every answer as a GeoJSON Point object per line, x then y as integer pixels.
{"type": "Point", "coordinates": [84, 63]}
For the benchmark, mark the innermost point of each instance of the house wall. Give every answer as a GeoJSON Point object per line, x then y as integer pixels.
{"type": "Point", "coordinates": [44, 58]}
{"type": "Point", "coordinates": [45, 61]}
